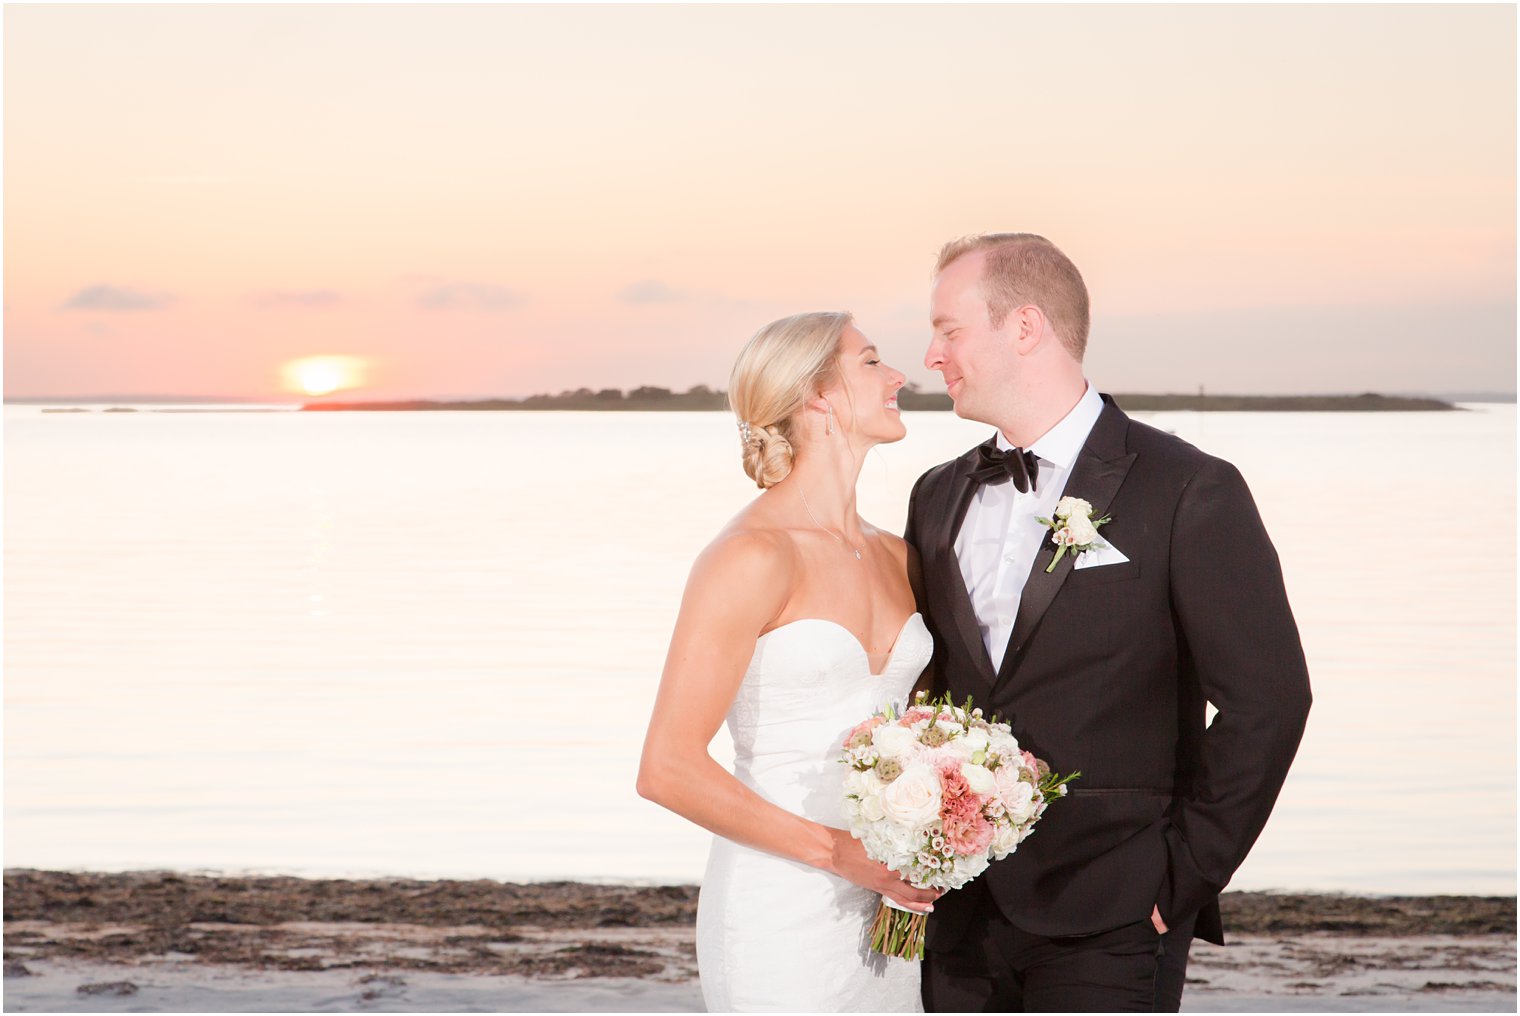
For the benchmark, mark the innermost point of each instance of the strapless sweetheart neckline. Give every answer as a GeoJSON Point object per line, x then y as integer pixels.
{"type": "Point", "coordinates": [891, 653]}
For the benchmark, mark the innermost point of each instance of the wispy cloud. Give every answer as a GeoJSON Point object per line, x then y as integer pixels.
{"type": "Point", "coordinates": [650, 291]}
{"type": "Point", "coordinates": [116, 298]}
{"type": "Point", "coordinates": [469, 296]}
{"type": "Point", "coordinates": [307, 298]}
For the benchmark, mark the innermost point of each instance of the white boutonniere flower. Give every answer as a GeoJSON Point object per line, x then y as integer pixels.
{"type": "Point", "coordinates": [1073, 528]}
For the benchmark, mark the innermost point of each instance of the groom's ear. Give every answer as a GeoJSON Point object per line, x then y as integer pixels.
{"type": "Point", "coordinates": [1025, 327]}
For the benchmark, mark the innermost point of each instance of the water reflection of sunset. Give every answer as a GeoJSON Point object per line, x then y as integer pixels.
{"type": "Point", "coordinates": [323, 375]}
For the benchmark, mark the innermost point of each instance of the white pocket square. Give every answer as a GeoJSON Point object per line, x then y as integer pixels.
{"type": "Point", "coordinates": [1102, 553]}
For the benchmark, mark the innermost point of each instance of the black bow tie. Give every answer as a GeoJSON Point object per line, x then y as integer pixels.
{"type": "Point", "coordinates": [1016, 464]}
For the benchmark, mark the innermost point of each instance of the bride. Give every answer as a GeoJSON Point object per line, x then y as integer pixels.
{"type": "Point", "coordinates": [797, 622]}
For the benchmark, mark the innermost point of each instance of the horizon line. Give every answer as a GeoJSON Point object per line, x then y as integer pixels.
{"type": "Point", "coordinates": [355, 395]}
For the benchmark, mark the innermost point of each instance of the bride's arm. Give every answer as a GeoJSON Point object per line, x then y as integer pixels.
{"type": "Point", "coordinates": [738, 585]}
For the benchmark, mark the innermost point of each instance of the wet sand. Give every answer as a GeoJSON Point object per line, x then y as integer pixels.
{"type": "Point", "coordinates": [159, 941]}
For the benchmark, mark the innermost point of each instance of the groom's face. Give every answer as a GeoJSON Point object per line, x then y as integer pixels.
{"type": "Point", "coordinates": [975, 359]}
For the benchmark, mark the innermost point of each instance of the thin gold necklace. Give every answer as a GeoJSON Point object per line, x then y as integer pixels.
{"type": "Point", "coordinates": [820, 525]}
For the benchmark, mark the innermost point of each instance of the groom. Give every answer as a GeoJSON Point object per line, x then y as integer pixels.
{"type": "Point", "coordinates": [1103, 663]}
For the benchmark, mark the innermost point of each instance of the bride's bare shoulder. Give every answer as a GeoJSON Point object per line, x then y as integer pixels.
{"type": "Point", "coordinates": [751, 548]}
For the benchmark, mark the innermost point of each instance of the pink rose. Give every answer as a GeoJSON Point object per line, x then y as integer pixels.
{"type": "Point", "coordinates": [1017, 796]}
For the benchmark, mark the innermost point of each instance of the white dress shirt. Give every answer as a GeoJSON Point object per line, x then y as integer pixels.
{"type": "Point", "coordinates": [1001, 534]}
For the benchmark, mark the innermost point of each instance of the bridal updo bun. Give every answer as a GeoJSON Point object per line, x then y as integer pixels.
{"type": "Point", "coordinates": [782, 367]}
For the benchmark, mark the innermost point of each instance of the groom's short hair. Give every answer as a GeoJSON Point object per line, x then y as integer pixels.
{"type": "Point", "coordinates": [1024, 268]}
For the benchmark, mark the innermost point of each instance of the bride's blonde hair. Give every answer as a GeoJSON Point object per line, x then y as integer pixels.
{"type": "Point", "coordinates": [784, 364]}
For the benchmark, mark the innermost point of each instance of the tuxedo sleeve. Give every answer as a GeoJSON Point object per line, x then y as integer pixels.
{"type": "Point", "coordinates": [929, 680]}
{"type": "Point", "coordinates": [1241, 645]}
{"type": "Point", "coordinates": [910, 530]}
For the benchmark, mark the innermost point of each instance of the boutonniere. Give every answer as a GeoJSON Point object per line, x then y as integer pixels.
{"type": "Point", "coordinates": [1073, 528]}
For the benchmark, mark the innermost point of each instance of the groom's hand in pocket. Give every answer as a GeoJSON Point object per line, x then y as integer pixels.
{"type": "Point", "coordinates": [1157, 921]}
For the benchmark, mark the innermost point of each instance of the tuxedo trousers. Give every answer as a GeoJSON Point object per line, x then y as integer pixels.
{"type": "Point", "coordinates": [997, 967]}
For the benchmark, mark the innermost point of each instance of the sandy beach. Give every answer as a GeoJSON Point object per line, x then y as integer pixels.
{"type": "Point", "coordinates": [166, 942]}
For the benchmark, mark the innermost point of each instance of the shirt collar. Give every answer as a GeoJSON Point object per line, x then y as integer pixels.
{"type": "Point", "coordinates": [1062, 443]}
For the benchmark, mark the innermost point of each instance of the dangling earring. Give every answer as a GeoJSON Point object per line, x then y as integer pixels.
{"type": "Point", "coordinates": [829, 424]}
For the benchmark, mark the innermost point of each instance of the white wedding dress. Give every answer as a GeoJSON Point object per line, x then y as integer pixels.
{"type": "Point", "coordinates": [775, 935]}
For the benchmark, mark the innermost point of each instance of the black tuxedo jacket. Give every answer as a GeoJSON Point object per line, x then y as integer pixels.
{"type": "Point", "coordinates": [1109, 671]}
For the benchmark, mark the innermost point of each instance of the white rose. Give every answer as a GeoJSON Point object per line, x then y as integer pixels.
{"type": "Point", "coordinates": [1069, 506]}
{"type": "Point", "coordinates": [912, 800]}
{"type": "Point", "coordinates": [955, 748]}
{"type": "Point", "coordinates": [1004, 840]}
{"type": "Point", "coordinates": [867, 787]}
{"type": "Point", "coordinates": [870, 808]}
{"type": "Point", "coordinates": [862, 783]}
{"type": "Point", "coordinates": [978, 778]}
{"type": "Point", "coordinates": [892, 741]}
{"type": "Point", "coordinates": [1082, 531]}
{"type": "Point", "coordinates": [977, 738]}
{"type": "Point", "coordinates": [1018, 798]}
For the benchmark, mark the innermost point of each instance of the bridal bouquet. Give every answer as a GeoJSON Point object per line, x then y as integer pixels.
{"type": "Point", "coordinates": [937, 794]}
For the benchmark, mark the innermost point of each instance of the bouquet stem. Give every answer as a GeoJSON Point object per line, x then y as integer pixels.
{"type": "Point", "coordinates": [898, 932]}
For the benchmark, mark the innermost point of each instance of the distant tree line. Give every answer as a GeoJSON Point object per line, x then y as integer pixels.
{"type": "Point", "coordinates": [698, 398]}
{"type": "Point", "coordinates": [701, 398]}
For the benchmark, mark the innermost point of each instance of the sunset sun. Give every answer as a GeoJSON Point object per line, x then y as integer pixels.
{"type": "Point", "coordinates": [323, 375]}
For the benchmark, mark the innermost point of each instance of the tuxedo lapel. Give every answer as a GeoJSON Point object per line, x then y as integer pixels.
{"type": "Point", "coordinates": [960, 489]}
{"type": "Point", "coordinates": [1095, 477]}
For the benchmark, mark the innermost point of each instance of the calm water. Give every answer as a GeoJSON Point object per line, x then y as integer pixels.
{"type": "Point", "coordinates": [426, 644]}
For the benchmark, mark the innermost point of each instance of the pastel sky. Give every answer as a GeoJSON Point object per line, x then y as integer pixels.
{"type": "Point", "coordinates": [506, 200]}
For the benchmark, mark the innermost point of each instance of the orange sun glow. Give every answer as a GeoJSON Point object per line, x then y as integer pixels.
{"type": "Point", "coordinates": [322, 375]}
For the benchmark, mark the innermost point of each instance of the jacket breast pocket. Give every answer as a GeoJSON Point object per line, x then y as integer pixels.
{"type": "Point", "coordinates": [1102, 574]}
